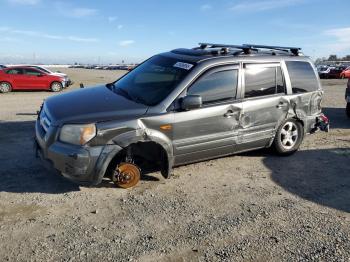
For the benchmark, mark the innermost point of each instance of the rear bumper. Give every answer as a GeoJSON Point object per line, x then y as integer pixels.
{"type": "Point", "coordinates": [321, 123]}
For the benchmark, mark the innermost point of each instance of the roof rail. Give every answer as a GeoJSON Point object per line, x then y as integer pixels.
{"type": "Point", "coordinates": [248, 48]}
{"type": "Point", "coordinates": [293, 50]}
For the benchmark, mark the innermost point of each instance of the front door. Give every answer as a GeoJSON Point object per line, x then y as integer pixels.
{"type": "Point", "coordinates": [35, 79]}
{"type": "Point", "coordinates": [209, 131]}
{"type": "Point", "coordinates": [264, 105]}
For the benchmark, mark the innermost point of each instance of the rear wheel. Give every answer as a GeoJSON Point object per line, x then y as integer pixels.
{"type": "Point", "coordinates": [348, 109]}
{"type": "Point", "coordinates": [288, 137]}
{"type": "Point", "coordinates": [56, 87]}
{"type": "Point", "coordinates": [5, 87]}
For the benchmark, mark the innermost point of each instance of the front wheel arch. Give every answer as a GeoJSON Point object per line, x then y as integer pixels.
{"type": "Point", "coordinates": [52, 86]}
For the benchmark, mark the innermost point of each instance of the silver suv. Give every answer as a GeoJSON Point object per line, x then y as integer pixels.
{"type": "Point", "coordinates": [181, 107]}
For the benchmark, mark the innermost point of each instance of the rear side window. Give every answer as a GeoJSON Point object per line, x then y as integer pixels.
{"type": "Point", "coordinates": [302, 77]}
{"type": "Point", "coordinates": [216, 87]}
{"type": "Point", "coordinates": [262, 81]}
{"type": "Point", "coordinates": [15, 71]}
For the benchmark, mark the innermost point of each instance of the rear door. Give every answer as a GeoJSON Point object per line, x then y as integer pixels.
{"type": "Point", "coordinates": [264, 105]}
{"type": "Point", "coordinates": [209, 131]}
{"type": "Point", "coordinates": [16, 77]}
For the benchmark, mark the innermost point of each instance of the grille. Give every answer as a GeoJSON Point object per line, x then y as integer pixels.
{"type": "Point", "coordinates": [44, 120]}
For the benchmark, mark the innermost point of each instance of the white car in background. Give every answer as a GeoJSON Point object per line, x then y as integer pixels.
{"type": "Point", "coordinates": [65, 76]}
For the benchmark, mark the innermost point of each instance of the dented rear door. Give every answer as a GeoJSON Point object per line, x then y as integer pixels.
{"type": "Point", "coordinates": [265, 105]}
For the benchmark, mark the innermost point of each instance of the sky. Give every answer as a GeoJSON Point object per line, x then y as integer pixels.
{"type": "Point", "coordinates": [85, 31]}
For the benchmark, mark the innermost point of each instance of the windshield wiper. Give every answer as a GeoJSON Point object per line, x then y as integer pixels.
{"type": "Point", "coordinates": [110, 86]}
{"type": "Point", "coordinates": [123, 93]}
{"type": "Point", "coordinates": [126, 94]}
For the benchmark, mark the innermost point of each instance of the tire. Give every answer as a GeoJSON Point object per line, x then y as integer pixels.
{"type": "Point", "coordinates": [56, 87]}
{"type": "Point", "coordinates": [5, 87]}
{"type": "Point", "coordinates": [288, 137]}
{"type": "Point", "coordinates": [348, 109]}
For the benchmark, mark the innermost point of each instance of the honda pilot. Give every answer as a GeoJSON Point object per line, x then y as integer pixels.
{"type": "Point", "coordinates": [180, 107]}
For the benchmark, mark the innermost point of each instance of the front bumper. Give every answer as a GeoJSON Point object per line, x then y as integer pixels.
{"type": "Point", "coordinates": [69, 83]}
{"type": "Point", "coordinates": [83, 165]}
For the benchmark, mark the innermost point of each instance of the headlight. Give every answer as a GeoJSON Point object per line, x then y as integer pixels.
{"type": "Point", "coordinates": [77, 134]}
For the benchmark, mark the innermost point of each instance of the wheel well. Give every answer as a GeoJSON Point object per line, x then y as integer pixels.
{"type": "Point", "coordinates": [149, 156]}
{"type": "Point", "coordinates": [7, 82]}
{"type": "Point", "coordinates": [299, 121]}
{"type": "Point", "coordinates": [55, 82]}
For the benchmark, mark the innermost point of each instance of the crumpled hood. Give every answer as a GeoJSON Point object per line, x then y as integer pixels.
{"type": "Point", "coordinates": [90, 105]}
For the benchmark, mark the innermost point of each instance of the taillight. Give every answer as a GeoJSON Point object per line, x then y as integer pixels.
{"type": "Point", "coordinates": [324, 118]}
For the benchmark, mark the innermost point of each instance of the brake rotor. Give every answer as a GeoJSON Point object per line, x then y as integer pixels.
{"type": "Point", "coordinates": [126, 175]}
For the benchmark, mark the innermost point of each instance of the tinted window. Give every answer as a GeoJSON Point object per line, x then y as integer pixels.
{"type": "Point", "coordinates": [32, 72]}
{"type": "Point", "coordinates": [15, 71]}
{"type": "Point", "coordinates": [152, 81]}
{"type": "Point", "coordinates": [216, 86]}
{"type": "Point", "coordinates": [262, 81]}
{"type": "Point", "coordinates": [302, 76]}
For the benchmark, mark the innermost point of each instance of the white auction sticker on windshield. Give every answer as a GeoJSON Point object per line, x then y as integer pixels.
{"type": "Point", "coordinates": [183, 65]}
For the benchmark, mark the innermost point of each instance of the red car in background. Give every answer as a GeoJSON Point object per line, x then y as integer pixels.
{"type": "Point", "coordinates": [29, 78]}
{"type": "Point", "coordinates": [345, 73]}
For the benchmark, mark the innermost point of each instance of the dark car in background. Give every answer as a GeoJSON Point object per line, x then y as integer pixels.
{"type": "Point", "coordinates": [2, 67]}
{"type": "Point", "coordinates": [329, 72]}
{"type": "Point", "coordinates": [347, 98]}
{"type": "Point", "coordinates": [29, 78]}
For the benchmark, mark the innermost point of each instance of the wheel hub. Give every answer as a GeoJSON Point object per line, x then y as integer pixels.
{"type": "Point", "coordinates": [289, 135]}
{"type": "Point", "coordinates": [126, 175]}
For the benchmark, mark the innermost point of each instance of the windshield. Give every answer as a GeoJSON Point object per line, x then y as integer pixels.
{"type": "Point", "coordinates": [152, 81]}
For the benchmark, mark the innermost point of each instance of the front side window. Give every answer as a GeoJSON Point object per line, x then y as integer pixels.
{"type": "Point", "coordinates": [216, 87]}
{"type": "Point", "coordinates": [151, 82]}
{"type": "Point", "coordinates": [263, 81]}
{"type": "Point", "coordinates": [302, 76]}
{"type": "Point", "coordinates": [32, 72]}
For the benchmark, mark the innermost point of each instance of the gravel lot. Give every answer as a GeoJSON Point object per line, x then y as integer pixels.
{"type": "Point", "coordinates": [249, 207]}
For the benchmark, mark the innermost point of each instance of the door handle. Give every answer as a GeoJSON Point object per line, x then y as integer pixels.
{"type": "Point", "coordinates": [281, 105]}
{"type": "Point", "coordinates": [229, 114]}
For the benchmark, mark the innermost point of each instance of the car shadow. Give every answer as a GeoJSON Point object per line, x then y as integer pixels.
{"type": "Point", "coordinates": [22, 172]}
{"type": "Point", "coordinates": [337, 117]}
{"type": "Point", "coordinates": [321, 176]}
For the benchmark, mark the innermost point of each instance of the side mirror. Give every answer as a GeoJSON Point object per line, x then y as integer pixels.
{"type": "Point", "coordinates": [191, 102]}
{"type": "Point", "coordinates": [41, 75]}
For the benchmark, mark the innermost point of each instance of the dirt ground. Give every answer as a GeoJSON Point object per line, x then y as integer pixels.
{"type": "Point", "coordinates": [249, 207]}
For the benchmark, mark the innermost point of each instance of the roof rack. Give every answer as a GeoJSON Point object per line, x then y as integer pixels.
{"type": "Point", "coordinates": [225, 48]}
{"type": "Point", "coordinates": [248, 48]}
{"type": "Point", "coordinates": [293, 50]}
